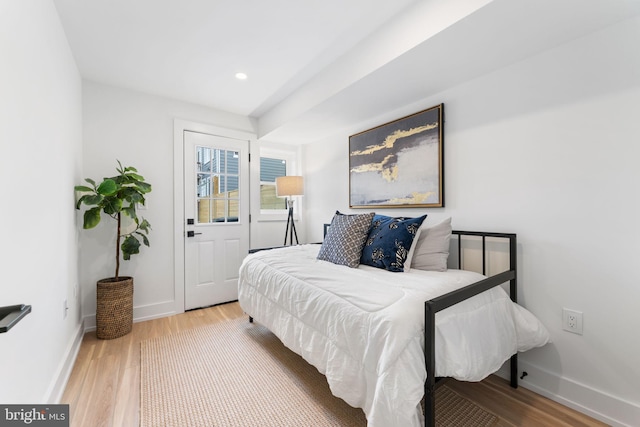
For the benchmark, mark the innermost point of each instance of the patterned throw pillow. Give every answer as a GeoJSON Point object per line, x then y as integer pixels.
{"type": "Point", "coordinates": [389, 242]}
{"type": "Point", "coordinates": [344, 240]}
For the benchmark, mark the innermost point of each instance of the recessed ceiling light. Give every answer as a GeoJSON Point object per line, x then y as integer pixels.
{"type": "Point", "coordinates": [241, 76]}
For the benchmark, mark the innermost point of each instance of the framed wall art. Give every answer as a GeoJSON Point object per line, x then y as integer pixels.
{"type": "Point", "coordinates": [400, 163]}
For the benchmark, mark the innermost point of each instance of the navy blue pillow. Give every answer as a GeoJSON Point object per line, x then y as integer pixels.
{"type": "Point", "coordinates": [389, 241]}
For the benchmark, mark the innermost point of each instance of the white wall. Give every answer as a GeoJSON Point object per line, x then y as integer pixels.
{"type": "Point", "coordinates": [40, 154]}
{"type": "Point", "coordinates": [138, 130]}
{"type": "Point", "coordinates": [546, 148]}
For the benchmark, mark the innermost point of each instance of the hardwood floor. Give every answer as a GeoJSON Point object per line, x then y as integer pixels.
{"type": "Point", "coordinates": [104, 386]}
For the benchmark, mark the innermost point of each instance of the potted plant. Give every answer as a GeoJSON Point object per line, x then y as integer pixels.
{"type": "Point", "coordinates": [116, 196]}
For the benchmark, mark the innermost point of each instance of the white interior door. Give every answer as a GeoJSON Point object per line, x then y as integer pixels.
{"type": "Point", "coordinates": [216, 207]}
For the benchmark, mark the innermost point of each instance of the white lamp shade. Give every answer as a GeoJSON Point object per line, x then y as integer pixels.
{"type": "Point", "coordinates": [289, 186]}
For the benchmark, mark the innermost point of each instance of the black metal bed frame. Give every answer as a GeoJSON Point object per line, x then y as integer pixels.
{"type": "Point", "coordinates": [435, 305]}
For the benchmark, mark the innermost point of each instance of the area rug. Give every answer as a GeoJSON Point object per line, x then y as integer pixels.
{"type": "Point", "coordinates": [237, 373]}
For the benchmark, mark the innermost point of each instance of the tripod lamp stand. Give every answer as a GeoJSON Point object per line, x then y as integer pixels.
{"type": "Point", "coordinates": [288, 186]}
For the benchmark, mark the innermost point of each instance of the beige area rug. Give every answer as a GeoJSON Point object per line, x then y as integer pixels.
{"type": "Point", "coordinates": [238, 373]}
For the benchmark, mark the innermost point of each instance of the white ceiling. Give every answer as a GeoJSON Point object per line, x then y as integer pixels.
{"type": "Point", "coordinates": [316, 66]}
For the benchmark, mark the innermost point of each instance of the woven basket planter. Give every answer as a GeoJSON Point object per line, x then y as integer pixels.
{"type": "Point", "coordinates": [114, 309]}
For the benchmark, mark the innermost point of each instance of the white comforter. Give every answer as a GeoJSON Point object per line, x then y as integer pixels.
{"type": "Point", "coordinates": [363, 328]}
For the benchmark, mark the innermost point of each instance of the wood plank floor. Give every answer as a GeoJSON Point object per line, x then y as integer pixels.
{"type": "Point", "coordinates": [104, 386]}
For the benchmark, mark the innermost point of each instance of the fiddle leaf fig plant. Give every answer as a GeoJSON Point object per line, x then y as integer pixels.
{"type": "Point", "coordinates": [116, 196]}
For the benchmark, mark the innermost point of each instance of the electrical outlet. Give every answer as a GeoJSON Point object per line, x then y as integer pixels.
{"type": "Point", "coordinates": [572, 321]}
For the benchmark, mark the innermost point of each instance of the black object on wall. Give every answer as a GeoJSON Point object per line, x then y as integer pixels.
{"type": "Point", "coordinates": [12, 314]}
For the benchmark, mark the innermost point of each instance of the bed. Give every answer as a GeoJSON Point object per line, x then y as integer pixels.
{"type": "Point", "coordinates": [365, 328]}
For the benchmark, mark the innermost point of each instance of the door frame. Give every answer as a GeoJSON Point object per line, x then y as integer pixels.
{"type": "Point", "coordinates": [179, 220]}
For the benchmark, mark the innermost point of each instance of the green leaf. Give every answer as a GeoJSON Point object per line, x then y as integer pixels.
{"type": "Point", "coordinates": [90, 181]}
{"type": "Point", "coordinates": [131, 194]}
{"type": "Point", "coordinates": [83, 199]}
{"type": "Point", "coordinates": [91, 218]}
{"type": "Point", "coordinates": [107, 187]}
{"type": "Point", "coordinates": [145, 226]}
{"type": "Point", "coordinates": [111, 205]}
{"type": "Point", "coordinates": [89, 199]}
{"type": "Point", "coordinates": [92, 199]}
{"type": "Point", "coordinates": [135, 176]}
{"type": "Point", "coordinates": [144, 187]}
{"type": "Point", "coordinates": [131, 211]}
{"type": "Point", "coordinates": [129, 247]}
{"type": "Point", "coordinates": [83, 188]}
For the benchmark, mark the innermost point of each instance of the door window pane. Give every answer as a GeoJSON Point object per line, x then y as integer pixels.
{"type": "Point", "coordinates": [203, 211]}
{"type": "Point", "coordinates": [233, 162]}
{"type": "Point", "coordinates": [232, 213]}
{"type": "Point", "coordinates": [204, 185]}
{"type": "Point", "coordinates": [217, 162]}
{"type": "Point", "coordinates": [232, 185]}
{"type": "Point", "coordinates": [217, 210]}
{"type": "Point", "coordinates": [203, 159]}
{"type": "Point", "coordinates": [222, 185]}
{"type": "Point", "coordinates": [218, 185]}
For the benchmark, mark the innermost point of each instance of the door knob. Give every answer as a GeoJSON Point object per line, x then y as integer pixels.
{"type": "Point", "coordinates": [191, 233]}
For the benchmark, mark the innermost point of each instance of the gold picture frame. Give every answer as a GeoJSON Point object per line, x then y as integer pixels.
{"type": "Point", "coordinates": [400, 163]}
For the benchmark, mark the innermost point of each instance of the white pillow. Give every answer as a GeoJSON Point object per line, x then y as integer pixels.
{"type": "Point", "coordinates": [412, 250]}
{"type": "Point", "coordinates": [430, 249]}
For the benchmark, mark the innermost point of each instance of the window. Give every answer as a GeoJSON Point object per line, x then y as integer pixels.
{"type": "Point", "coordinates": [270, 169]}
{"type": "Point", "coordinates": [275, 160]}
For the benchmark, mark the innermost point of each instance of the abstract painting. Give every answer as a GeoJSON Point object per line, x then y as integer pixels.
{"type": "Point", "coordinates": [400, 163]}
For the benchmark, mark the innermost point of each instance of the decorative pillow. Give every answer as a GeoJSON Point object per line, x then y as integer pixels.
{"type": "Point", "coordinates": [407, 262]}
{"type": "Point", "coordinates": [345, 237]}
{"type": "Point", "coordinates": [389, 241]}
{"type": "Point", "coordinates": [431, 250]}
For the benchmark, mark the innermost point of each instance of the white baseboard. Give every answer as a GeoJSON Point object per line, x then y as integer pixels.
{"type": "Point", "coordinates": [57, 387]}
{"type": "Point", "coordinates": [140, 314]}
{"type": "Point", "coordinates": [154, 311]}
{"type": "Point", "coordinates": [59, 383]}
{"type": "Point", "coordinates": [595, 403]}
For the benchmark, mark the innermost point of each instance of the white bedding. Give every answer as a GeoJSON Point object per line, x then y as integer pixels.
{"type": "Point", "coordinates": [363, 328]}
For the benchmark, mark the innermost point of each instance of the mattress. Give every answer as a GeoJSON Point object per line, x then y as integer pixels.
{"type": "Point", "coordinates": [363, 328]}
